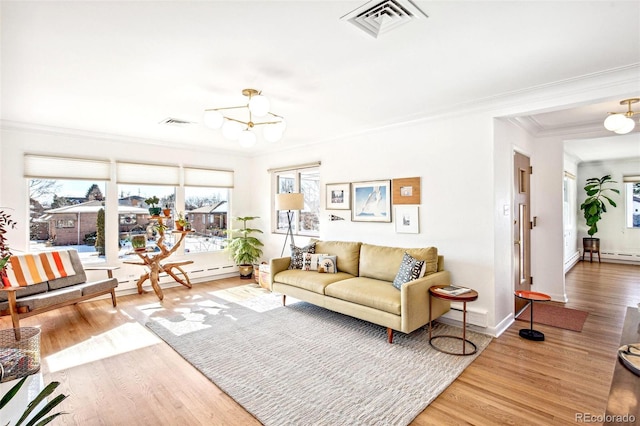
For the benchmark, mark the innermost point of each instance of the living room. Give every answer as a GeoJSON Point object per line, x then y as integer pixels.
{"type": "Point", "coordinates": [458, 138]}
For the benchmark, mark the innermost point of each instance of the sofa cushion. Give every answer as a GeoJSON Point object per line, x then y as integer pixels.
{"type": "Point", "coordinates": [26, 291]}
{"type": "Point", "coordinates": [78, 278]}
{"type": "Point", "coordinates": [369, 292]}
{"type": "Point", "coordinates": [97, 286]}
{"type": "Point", "coordinates": [410, 269]}
{"type": "Point", "coordinates": [329, 264]}
{"type": "Point", "coordinates": [298, 254]}
{"type": "Point", "coordinates": [381, 263]}
{"type": "Point", "coordinates": [309, 280]}
{"type": "Point", "coordinates": [347, 253]}
{"type": "Point", "coordinates": [42, 300]}
{"type": "Point", "coordinates": [310, 261]}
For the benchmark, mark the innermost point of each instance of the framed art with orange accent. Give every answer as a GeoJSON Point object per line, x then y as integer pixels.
{"type": "Point", "coordinates": [406, 190]}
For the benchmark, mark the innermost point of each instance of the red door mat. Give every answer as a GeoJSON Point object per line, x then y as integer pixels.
{"type": "Point", "coordinates": [555, 316]}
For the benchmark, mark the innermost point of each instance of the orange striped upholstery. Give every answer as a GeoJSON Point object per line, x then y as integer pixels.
{"type": "Point", "coordinates": [30, 269]}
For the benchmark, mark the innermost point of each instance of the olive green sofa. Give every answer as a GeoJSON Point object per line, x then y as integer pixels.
{"type": "Point", "coordinates": [362, 286]}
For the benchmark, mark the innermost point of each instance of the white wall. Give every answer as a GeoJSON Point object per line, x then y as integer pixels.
{"type": "Point", "coordinates": [612, 230]}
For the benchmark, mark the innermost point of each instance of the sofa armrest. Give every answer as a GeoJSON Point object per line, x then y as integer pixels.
{"type": "Point", "coordinates": [414, 300]}
{"type": "Point", "coordinates": [109, 269]}
{"type": "Point", "coordinates": [277, 265]}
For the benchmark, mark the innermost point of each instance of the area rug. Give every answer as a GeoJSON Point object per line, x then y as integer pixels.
{"type": "Point", "coordinates": [302, 364]}
{"type": "Point", "coordinates": [555, 316]}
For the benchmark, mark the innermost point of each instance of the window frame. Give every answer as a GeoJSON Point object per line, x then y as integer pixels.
{"type": "Point", "coordinates": [297, 172]}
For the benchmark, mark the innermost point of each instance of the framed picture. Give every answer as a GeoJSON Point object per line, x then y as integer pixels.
{"type": "Point", "coordinates": [338, 196]}
{"type": "Point", "coordinates": [407, 219]}
{"type": "Point", "coordinates": [371, 201]}
{"type": "Point", "coordinates": [406, 191]}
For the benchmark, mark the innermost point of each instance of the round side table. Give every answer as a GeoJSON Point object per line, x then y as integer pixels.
{"type": "Point", "coordinates": [532, 296]}
{"type": "Point", "coordinates": [469, 296]}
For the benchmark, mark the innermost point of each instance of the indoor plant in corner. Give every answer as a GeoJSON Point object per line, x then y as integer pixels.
{"type": "Point", "coordinates": [5, 223]}
{"type": "Point", "coordinates": [594, 205]}
{"type": "Point", "coordinates": [245, 248]}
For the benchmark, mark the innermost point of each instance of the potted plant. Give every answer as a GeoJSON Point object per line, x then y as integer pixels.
{"type": "Point", "coordinates": [180, 222]}
{"type": "Point", "coordinates": [594, 206]}
{"type": "Point", "coordinates": [5, 223]}
{"type": "Point", "coordinates": [166, 211]}
{"type": "Point", "coordinates": [152, 202]}
{"type": "Point", "coordinates": [245, 248]}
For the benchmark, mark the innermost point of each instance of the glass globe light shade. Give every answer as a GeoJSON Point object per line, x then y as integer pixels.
{"type": "Point", "coordinates": [213, 119]}
{"type": "Point", "coordinates": [282, 125]}
{"type": "Point", "coordinates": [247, 138]}
{"type": "Point", "coordinates": [259, 105]}
{"type": "Point", "coordinates": [231, 130]}
{"type": "Point", "coordinates": [614, 121]}
{"type": "Point", "coordinates": [272, 133]}
{"type": "Point", "coordinates": [626, 127]}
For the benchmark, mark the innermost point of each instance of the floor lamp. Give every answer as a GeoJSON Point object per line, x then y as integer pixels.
{"type": "Point", "coordinates": [289, 201]}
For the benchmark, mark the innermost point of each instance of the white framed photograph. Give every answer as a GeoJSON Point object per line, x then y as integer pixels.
{"type": "Point", "coordinates": [371, 201]}
{"type": "Point", "coordinates": [338, 196]}
{"type": "Point", "coordinates": [407, 220]}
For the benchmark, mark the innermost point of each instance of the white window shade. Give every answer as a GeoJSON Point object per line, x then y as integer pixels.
{"type": "Point", "coordinates": [42, 167]}
{"type": "Point", "coordinates": [150, 174]}
{"type": "Point", "coordinates": [208, 178]}
{"type": "Point", "coordinates": [631, 178]}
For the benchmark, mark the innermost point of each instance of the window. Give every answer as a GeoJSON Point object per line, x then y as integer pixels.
{"type": "Point", "coordinates": [306, 180]}
{"type": "Point", "coordinates": [632, 197]}
{"type": "Point", "coordinates": [207, 210]}
{"type": "Point", "coordinates": [66, 203]}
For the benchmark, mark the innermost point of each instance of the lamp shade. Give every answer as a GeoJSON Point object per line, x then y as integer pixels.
{"type": "Point", "coordinates": [626, 126]}
{"type": "Point", "coordinates": [290, 201]}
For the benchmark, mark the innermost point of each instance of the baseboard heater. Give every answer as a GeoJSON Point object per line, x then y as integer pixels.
{"type": "Point", "coordinates": [623, 257]}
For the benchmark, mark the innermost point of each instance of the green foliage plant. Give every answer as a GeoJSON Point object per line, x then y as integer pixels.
{"type": "Point", "coordinates": [6, 223]}
{"type": "Point", "coordinates": [39, 418]}
{"type": "Point", "coordinates": [244, 248]}
{"type": "Point", "coordinates": [152, 201]}
{"type": "Point", "coordinates": [594, 205]}
{"type": "Point", "coordinates": [100, 233]}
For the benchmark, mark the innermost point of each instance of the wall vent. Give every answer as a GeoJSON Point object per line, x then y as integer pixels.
{"type": "Point", "coordinates": [174, 122]}
{"type": "Point", "coordinates": [378, 17]}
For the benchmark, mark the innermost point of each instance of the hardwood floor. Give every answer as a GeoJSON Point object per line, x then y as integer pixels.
{"type": "Point", "coordinates": [119, 373]}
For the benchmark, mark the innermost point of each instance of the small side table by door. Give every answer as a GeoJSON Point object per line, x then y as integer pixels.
{"type": "Point", "coordinates": [469, 296]}
{"type": "Point", "coordinates": [532, 296]}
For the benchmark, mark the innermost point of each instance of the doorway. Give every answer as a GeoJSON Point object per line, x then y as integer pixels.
{"type": "Point", "coordinates": [521, 226]}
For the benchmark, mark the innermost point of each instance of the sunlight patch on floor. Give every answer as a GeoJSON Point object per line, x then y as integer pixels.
{"type": "Point", "coordinates": [125, 338]}
{"type": "Point", "coordinates": [251, 296]}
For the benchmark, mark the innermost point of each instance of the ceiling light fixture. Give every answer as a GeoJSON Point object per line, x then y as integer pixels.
{"type": "Point", "coordinates": [622, 123]}
{"type": "Point", "coordinates": [242, 131]}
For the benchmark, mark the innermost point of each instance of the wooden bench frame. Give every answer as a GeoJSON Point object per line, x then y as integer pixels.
{"type": "Point", "coordinates": [18, 313]}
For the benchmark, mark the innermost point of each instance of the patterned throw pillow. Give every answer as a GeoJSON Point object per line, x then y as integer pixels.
{"type": "Point", "coordinates": [297, 255]}
{"type": "Point", "coordinates": [329, 264]}
{"type": "Point", "coordinates": [410, 268]}
{"type": "Point", "coordinates": [310, 262]}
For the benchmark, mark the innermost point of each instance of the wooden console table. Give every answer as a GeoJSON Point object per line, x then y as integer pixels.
{"type": "Point", "coordinates": [624, 395]}
{"type": "Point", "coordinates": [155, 262]}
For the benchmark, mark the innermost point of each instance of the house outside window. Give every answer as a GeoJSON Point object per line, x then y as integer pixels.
{"type": "Point", "coordinates": [632, 201]}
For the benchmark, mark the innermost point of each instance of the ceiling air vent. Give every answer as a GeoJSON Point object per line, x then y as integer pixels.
{"type": "Point", "coordinates": [377, 17]}
{"type": "Point", "coordinates": [174, 122]}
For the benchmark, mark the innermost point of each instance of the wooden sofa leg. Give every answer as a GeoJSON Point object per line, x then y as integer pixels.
{"type": "Point", "coordinates": [13, 309]}
{"type": "Point", "coordinates": [389, 335]}
{"type": "Point", "coordinates": [113, 297]}
{"type": "Point", "coordinates": [284, 299]}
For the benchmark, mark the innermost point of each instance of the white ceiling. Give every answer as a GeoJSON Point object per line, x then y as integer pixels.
{"type": "Point", "coordinates": [119, 68]}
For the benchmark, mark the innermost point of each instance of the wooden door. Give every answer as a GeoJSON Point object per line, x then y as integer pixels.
{"type": "Point", "coordinates": [521, 226]}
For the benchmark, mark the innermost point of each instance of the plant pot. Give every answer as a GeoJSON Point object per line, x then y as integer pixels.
{"type": "Point", "coordinates": [139, 242]}
{"type": "Point", "coordinates": [591, 245]}
{"type": "Point", "coordinates": [245, 271]}
{"type": "Point", "coordinates": [179, 226]}
{"type": "Point", "coordinates": [166, 212]}
{"type": "Point", "coordinates": [155, 211]}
